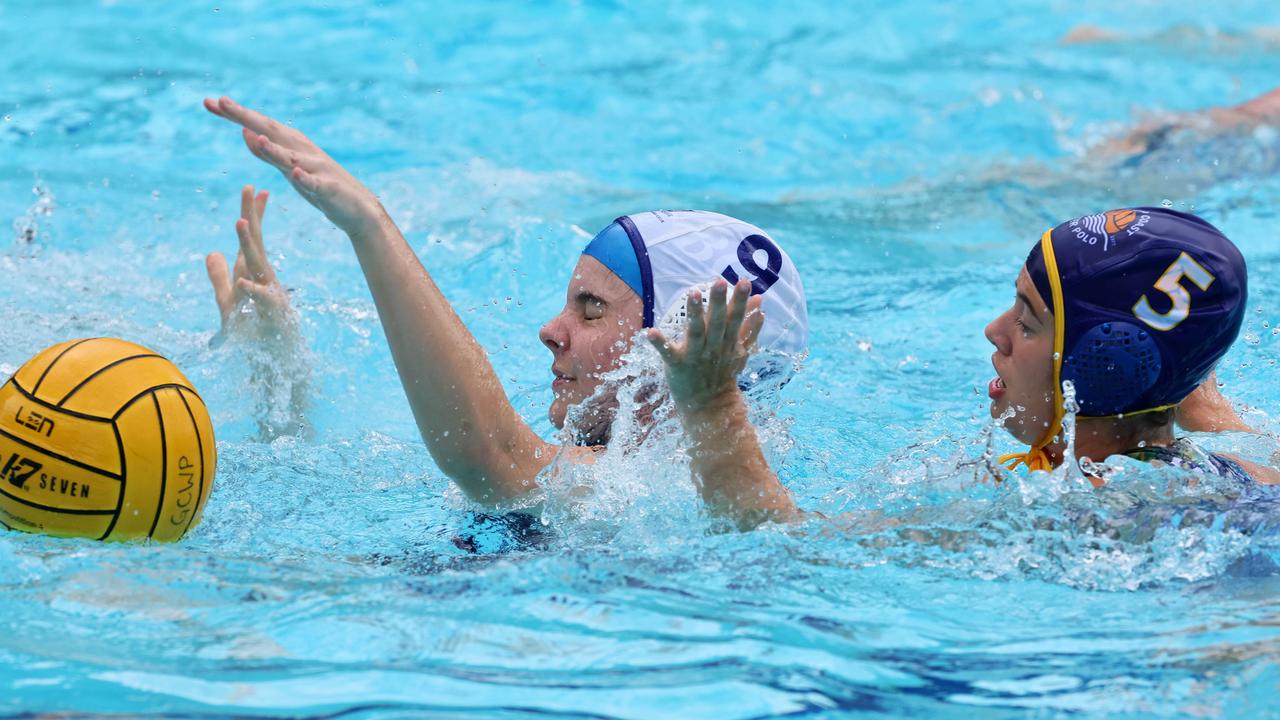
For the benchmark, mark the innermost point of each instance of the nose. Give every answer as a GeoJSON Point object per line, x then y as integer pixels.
{"type": "Point", "coordinates": [554, 335]}
{"type": "Point", "coordinates": [998, 334]}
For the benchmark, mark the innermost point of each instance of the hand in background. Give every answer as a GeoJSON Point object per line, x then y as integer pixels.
{"type": "Point", "coordinates": [253, 291]}
{"type": "Point", "coordinates": [255, 307]}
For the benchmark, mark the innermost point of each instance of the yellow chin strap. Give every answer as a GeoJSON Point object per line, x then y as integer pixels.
{"type": "Point", "coordinates": [1035, 458]}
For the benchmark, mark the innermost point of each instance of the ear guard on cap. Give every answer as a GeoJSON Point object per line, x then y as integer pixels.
{"type": "Point", "coordinates": [673, 322]}
{"type": "Point", "coordinates": [1115, 361]}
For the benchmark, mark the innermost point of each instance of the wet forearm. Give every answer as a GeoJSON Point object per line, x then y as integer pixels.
{"type": "Point", "coordinates": [734, 478]}
{"type": "Point", "coordinates": [461, 408]}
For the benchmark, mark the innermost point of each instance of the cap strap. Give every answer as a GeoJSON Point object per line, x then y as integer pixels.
{"type": "Point", "coordinates": [1158, 408]}
{"type": "Point", "coordinates": [1035, 458]}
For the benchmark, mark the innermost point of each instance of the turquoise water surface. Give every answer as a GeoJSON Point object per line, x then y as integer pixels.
{"type": "Point", "coordinates": [906, 155]}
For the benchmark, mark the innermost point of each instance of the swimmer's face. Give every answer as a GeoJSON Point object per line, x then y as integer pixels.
{"type": "Point", "coordinates": [588, 338]}
{"type": "Point", "coordinates": [1023, 336]}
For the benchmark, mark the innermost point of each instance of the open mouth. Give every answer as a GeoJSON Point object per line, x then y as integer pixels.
{"type": "Point", "coordinates": [995, 388]}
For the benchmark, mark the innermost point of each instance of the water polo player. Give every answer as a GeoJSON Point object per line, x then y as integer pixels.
{"type": "Point", "coordinates": [1132, 307]}
{"type": "Point", "coordinates": [630, 276]}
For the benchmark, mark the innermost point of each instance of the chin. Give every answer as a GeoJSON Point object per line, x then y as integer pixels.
{"type": "Point", "coordinates": [556, 413]}
{"type": "Point", "coordinates": [1029, 432]}
{"type": "Point", "coordinates": [591, 420]}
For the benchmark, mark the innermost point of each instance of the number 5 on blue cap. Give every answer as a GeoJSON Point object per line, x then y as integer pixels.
{"type": "Point", "coordinates": [1170, 283]}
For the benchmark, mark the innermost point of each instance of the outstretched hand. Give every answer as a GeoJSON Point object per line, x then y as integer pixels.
{"type": "Point", "coordinates": [703, 370]}
{"type": "Point", "coordinates": [254, 284]}
{"type": "Point", "coordinates": [316, 176]}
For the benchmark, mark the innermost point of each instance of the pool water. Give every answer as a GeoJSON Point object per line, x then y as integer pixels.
{"type": "Point", "coordinates": [906, 156]}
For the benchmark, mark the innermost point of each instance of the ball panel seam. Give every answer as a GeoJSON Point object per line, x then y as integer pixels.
{"type": "Point", "coordinates": [101, 370]}
{"type": "Point", "coordinates": [199, 508]}
{"type": "Point", "coordinates": [164, 466]}
{"type": "Point", "coordinates": [65, 350]}
{"type": "Point", "coordinates": [45, 403]}
{"type": "Point", "coordinates": [63, 458]}
{"type": "Point", "coordinates": [124, 474]}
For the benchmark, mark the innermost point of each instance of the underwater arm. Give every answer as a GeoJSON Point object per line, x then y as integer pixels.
{"type": "Point", "coordinates": [462, 411]}
{"type": "Point", "coordinates": [255, 306]}
{"type": "Point", "coordinates": [733, 476]}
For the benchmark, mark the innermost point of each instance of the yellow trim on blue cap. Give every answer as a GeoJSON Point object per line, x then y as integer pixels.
{"type": "Point", "coordinates": [1036, 458]}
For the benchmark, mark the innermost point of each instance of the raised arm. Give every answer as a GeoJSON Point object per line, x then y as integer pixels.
{"type": "Point", "coordinates": [462, 411]}
{"type": "Point", "coordinates": [733, 476]}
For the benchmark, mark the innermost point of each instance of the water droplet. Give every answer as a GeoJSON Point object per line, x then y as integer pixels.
{"type": "Point", "coordinates": [199, 189]}
{"type": "Point", "coordinates": [8, 118]}
{"type": "Point", "coordinates": [1166, 203]}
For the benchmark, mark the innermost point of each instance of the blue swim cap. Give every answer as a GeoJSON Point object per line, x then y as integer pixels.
{"type": "Point", "coordinates": [1145, 301]}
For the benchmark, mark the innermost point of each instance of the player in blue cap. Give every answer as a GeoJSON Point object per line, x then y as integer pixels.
{"type": "Point", "coordinates": [633, 275]}
{"type": "Point", "coordinates": [1132, 307]}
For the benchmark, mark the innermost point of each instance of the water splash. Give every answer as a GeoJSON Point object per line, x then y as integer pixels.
{"type": "Point", "coordinates": [639, 484]}
{"type": "Point", "coordinates": [27, 227]}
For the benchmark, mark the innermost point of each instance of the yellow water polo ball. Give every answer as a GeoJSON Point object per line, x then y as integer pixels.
{"type": "Point", "coordinates": [105, 439]}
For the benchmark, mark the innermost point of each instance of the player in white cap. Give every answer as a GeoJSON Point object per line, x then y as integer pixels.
{"type": "Point", "coordinates": [633, 275]}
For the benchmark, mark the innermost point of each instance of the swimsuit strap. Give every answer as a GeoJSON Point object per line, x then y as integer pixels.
{"type": "Point", "coordinates": [1186, 455]}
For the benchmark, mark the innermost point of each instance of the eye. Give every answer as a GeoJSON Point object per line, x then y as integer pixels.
{"type": "Point", "coordinates": [592, 311]}
{"type": "Point", "coordinates": [1022, 326]}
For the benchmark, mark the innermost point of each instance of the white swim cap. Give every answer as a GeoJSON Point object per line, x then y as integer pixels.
{"type": "Point", "coordinates": [664, 254]}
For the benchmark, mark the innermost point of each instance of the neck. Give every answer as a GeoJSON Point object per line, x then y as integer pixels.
{"type": "Point", "coordinates": [1100, 438]}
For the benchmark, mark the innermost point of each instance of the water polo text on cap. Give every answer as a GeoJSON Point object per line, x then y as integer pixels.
{"type": "Point", "coordinates": [1105, 226]}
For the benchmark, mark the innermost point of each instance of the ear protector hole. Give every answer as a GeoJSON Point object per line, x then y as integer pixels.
{"type": "Point", "coordinates": [1112, 365]}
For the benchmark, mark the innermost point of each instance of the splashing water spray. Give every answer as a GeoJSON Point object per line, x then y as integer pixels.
{"type": "Point", "coordinates": [27, 227]}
